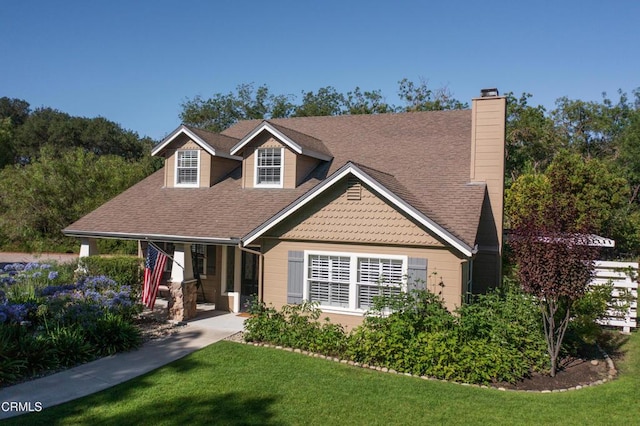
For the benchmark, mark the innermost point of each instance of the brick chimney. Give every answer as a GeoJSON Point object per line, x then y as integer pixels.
{"type": "Point", "coordinates": [487, 166]}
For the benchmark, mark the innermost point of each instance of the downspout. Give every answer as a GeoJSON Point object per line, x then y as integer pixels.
{"type": "Point", "coordinates": [260, 268]}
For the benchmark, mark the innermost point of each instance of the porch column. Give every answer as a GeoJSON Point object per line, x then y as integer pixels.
{"type": "Point", "coordinates": [88, 247]}
{"type": "Point", "coordinates": [182, 287]}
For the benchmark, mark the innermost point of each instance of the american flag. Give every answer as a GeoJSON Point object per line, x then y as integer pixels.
{"type": "Point", "coordinates": [153, 269]}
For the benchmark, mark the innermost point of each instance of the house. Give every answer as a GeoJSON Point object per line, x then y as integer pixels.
{"type": "Point", "coordinates": [331, 209]}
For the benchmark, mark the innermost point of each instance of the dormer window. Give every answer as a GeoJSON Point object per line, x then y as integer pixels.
{"type": "Point", "coordinates": [268, 172]}
{"type": "Point", "coordinates": [187, 168]}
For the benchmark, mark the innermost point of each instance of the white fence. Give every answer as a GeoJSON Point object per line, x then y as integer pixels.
{"type": "Point", "coordinates": [623, 311]}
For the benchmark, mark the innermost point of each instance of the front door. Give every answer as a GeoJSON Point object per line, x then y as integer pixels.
{"type": "Point", "coordinates": [249, 284]}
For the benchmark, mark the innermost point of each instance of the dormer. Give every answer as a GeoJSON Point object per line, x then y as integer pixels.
{"type": "Point", "coordinates": [277, 157]}
{"type": "Point", "coordinates": [196, 158]}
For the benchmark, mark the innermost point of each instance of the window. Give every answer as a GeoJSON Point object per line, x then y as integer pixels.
{"type": "Point", "coordinates": [230, 264]}
{"type": "Point", "coordinates": [198, 256]}
{"type": "Point", "coordinates": [329, 280]}
{"type": "Point", "coordinates": [348, 281]}
{"type": "Point", "coordinates": [268, 171]}
{"type": "Point", "coordinates": [378, 277]}
{"type": "Point", "coordinates": [187, 173]}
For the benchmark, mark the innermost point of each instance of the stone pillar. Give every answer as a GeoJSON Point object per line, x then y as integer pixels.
{"type": "Point", "coordinates": [182, 287]}
{"type": "Point", "coordinates": [182, 300]}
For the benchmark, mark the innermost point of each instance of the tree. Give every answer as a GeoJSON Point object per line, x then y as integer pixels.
{"type": "Point", "coordinates": [419, 97]}
{"type": "Point", "coordinates": [592, 128]}
{"type": "Point", "coordinates": [592, 187]}
{"type": "Point", "coordinates": [555, 264]}
{"type": "Point", "coordinates": [326, 101]}
{"type": "Point", "coordinates": [367, 102]}
{"type": "Point", "coordinates": [39, 199]}
{"type": "Point", "coordinates": [222, 110]}
{"type": "Point", "coordinates": [7, 153]}
{"type": "Point", "coordinates": [15, 109]}
{"type": "Point", "coordinates": [531, 138]}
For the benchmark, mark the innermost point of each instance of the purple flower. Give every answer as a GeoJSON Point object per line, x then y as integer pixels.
{"type": "Point", "coordinates": [53, 275]}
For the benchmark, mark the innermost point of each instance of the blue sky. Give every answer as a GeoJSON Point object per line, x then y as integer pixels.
{"type": "Point", "coordinates": [136, 62]}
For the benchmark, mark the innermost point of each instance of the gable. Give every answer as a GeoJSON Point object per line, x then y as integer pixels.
{"type": "Point", "coordinates": [295, 167]}
{"type": "Point", "coordinates": [351, 212]}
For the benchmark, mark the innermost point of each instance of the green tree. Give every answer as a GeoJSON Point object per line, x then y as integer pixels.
{"type": "Point", "coordinates": [592, 128]}
{"type": "Point", "coordinates": [7, 153]}
{"type": "Point", "coordinates": [531, 138]}
{"type": "Point", "coordinates": [39, 199]}
{"type": "Point", "coordinates": [222, 110]}
{"type": "Point", "coordinates": [419, 97]}
{"type": "Point", "coordinates": [597, 192]}
{"type": "Point", "coordinates": [326, 101]}
{"type": "Point", "coordinates": [367, 102]}
{"type": "Point", "coordinates": [16, 109]}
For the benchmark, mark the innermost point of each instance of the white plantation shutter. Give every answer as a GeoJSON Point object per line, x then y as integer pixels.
{"type": "Point", "coordinates": [329, 278]}
{"type": "Point", "coordinates": [376, 277]}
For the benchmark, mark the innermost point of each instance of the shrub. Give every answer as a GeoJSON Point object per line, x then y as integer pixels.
{"type": "Point", "coordinates": [124, 270]}
{"type": "Point", "coordinates": [295, 326]}
{"type": "Point", "coordinates": [112, 333]}
{"type": "Point", "coordinates": [70, 345]}
{"type": "Point", "coordinates": [12, 367]}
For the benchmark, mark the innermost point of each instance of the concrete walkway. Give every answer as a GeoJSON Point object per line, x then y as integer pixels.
{"type": "Point", "coordinates": [210, 326]}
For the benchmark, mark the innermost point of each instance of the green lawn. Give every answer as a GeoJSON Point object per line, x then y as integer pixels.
{"type": "Point", "coordinates": [230, 383]}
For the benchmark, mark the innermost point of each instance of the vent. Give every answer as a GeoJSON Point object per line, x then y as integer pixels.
{"type": "Point", "coordinates": [354, 188]}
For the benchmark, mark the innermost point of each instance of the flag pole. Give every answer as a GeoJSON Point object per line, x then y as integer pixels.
{"type": "Point", "coordinates": [165, 253]}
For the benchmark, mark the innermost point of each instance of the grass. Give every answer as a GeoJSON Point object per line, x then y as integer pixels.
{"type": "Point", "coordinates": [229, 383]}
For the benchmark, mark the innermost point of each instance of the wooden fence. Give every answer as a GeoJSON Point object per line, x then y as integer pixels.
{"type": "Point", "coordinates": [623, 310]}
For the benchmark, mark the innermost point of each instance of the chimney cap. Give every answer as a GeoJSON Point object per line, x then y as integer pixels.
{"type": "Point", "coordinates": [489, 93]}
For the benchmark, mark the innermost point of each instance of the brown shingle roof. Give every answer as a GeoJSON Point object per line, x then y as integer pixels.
{"type": "Point", "coordinates": [423, 157]}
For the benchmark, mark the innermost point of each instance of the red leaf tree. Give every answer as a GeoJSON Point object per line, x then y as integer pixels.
{"type": "Point", "coordinates": [555, 263]}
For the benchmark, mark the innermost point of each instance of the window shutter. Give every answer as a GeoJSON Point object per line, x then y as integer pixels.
{"type": "Point", "coordinates": [417, 274]}
{"type": "Point", "coordinates": [211, 260]}
{"type": "Point", "coordinates": [295, 277]}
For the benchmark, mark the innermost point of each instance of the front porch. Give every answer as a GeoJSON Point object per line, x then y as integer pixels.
{"type": "Point", "coordinates": [198, 278]}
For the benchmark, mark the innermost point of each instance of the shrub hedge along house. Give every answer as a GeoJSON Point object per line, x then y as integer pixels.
{"type": "Point", "coordinates": [330, 209]}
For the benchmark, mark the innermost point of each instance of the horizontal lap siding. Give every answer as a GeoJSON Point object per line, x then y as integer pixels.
{"type": "Point", "coordinates": [442, 261]}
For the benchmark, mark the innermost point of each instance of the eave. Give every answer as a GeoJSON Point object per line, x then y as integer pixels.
{"type": "Point", "coordinates": [152, 237]}
{"type": "Point", "coordinates": [290, 143]}
{"type": "Point", "coordinates": [184, 130]}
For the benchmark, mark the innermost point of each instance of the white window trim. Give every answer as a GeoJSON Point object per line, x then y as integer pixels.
{"type": "Point", "coordinates": [175, 179]}
{"type": "Point", "coordinates": [353, 276]}
{"type": "Point", "coordinates": [255, 170]}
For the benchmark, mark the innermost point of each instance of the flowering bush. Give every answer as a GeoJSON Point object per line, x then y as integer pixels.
{"type": "Point", "coordinates": [48, 322]}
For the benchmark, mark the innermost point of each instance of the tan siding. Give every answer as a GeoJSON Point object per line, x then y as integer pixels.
{"type": "Point", "coordinates": [221, 167]}
{"type": "Point", "coordinates": [289, 176]}
{"type": "Point", "coordinates": [304, 166]}
{"type": "Point", "coordinates": [169, 171]}
{"type": "Point", "coordinates": [443, 266]}
{"type": "Point", "coordinates": [487, 165]}
{"type": "Point", "coordinates": [205, 169]}
{"type": "Point", "coordinates": [290, 161]}
{"type": "Point", "coordinates": [333, 217]}
{"type": "Point", "coordinates": [183, 142]}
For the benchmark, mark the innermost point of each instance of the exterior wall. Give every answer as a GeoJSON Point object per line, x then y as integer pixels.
{"type": "Point", "coordinates": [304, 166]}
{"type": "Point", "coordinates": [367, 220]}
{"type": "Point", "coordinates": [487, 165]}
{"type": "Point", "coordinates": [221, 167]}
{"type": "Point", "coordinates": [249, 163]}
{"type": "Point", "coordinates": [443, 266]}
{"type": "Point", "coordinates": [180, 143]}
